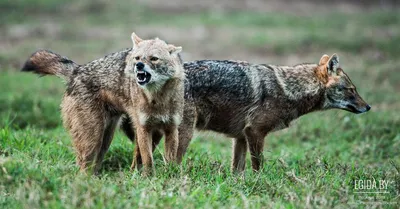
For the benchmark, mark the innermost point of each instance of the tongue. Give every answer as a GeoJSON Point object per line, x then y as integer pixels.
{"type": "Point", "coordinates": [141, 76]}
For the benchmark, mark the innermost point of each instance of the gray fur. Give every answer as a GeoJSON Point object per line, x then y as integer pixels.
{"type": "Point", "coordinates": [247, 101]}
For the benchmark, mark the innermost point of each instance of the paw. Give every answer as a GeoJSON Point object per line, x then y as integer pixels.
{"type": "Point", "coordinates": [148, 171]}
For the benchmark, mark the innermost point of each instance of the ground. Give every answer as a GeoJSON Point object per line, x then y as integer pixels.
{"type": "Point", "coordinates": [314, 163]}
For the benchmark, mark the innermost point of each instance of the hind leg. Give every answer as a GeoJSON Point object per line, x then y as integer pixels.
{"type": "Point", "coordinates": [85, 123]}
{"type": "Point", "coordinates": [255, 140]}
{"type": "Point", "coordinates": [111, 123]}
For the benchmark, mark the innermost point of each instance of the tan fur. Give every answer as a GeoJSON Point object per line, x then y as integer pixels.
{"type": "Point", "coordinates": [246, 102]}
{"type": "Point", "coordinates": [100, 92]}
{"type": "Point", "coordinates": [44, 62]}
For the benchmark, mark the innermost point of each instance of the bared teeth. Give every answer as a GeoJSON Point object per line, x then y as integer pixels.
{"type": "Point", "coordinates": [142, 76]}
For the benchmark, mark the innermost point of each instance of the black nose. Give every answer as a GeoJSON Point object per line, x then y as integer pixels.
{"type": "Point", "coordinates": [368, 107]}
{"type": "Point", "coordinates": [140, 65]}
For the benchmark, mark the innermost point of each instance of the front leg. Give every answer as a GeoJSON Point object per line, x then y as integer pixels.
{"type": "Point", "coordinates": [144, 142]}
{"type": "Point", "coordinates": [239, 149]}
{"type": "Point", "coordinates": [186, 129]}
{"type": "Point", "coordinates": [171, 143]}
{"type": "Point", "coordinates": [137, 159]}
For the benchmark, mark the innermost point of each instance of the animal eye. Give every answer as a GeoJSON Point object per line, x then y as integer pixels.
{"type": "Point", "coordinates": [137, 58]}
{"type": "Point", "coordinates": [153, 58]}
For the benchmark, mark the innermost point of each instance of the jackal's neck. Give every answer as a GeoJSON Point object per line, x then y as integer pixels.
{"type": "Point", "coordinates": [302, 86]}
{"type": "Point", "coordinates": [160, 94]}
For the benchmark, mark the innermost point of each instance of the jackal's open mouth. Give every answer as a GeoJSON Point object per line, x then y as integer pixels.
{"type": "Point", "coordinates": [143, 77]}
{"type": "Point", "coordinates": [353, 109]}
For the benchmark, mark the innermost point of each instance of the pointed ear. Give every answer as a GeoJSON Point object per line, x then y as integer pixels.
{"type": "Point", "coordinates": [174, 50]}
{"type": "Point", "coordinates": [324, 59]}
{"type": "Point", "coordinates": [135, 39]}
{"type": "Point", "coordinates": [332, 64]}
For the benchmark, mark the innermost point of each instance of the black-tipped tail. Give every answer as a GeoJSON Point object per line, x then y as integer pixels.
{"type": "Point", "coordinates": [29, 67]}
{"type": "Point", "coordinates": [45, 62]}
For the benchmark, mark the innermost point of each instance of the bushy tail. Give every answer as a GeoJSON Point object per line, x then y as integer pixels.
{"type": "Point", "coordinates": [45, 62]}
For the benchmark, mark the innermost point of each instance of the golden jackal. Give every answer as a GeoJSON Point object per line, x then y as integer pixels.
{"type": "Point", "coordinates": [247, 101]}
{"type": "Point", "coordinates": [145, 82]}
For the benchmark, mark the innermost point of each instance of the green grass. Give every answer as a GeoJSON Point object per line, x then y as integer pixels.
{"type": "Point", "coordinates": [312, 164]}
{"type": "Point", "coordinates": [325, 151]}
{"type": "Point", "coordinates": [326, 156]}
{"type": "Point", "coordinates": [38, 169]}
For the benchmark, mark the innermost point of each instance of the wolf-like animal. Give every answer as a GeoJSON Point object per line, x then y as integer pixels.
{"type": "Point", "coordinates": [247, 101]}
{"type": "Point", "coordinates": [145, 83]}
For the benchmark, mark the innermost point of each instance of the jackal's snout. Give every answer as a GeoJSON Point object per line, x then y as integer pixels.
{"type": "Point", "coordinates": [143, 76]}
{"type": "Point", "coordinates": [357, 105]}
{"type": "Point", "coordinates": [353, 109]}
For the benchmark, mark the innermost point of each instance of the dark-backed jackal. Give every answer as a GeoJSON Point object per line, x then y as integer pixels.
{"type": "Point", "coordinates": [247, 101]}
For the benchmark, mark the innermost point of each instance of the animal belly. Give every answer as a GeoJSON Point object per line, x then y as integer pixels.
{"type": "Point", "coordinates": [228, 124]}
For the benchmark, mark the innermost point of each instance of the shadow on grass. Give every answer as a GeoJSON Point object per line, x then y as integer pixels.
{"type": "Point", "coordinates": [117, 160]}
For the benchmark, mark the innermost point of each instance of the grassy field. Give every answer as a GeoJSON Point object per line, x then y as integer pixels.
{"type": "Point", "coordinates": [313, 164]}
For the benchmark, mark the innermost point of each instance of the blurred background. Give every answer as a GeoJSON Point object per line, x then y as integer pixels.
{"type": "Point", "coordinates": [327, 150]}
{"type": "Point", "coordinates": [365, 34]}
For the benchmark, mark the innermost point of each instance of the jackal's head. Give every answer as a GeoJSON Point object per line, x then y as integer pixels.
{"type": "Point", "coordinates": [155, 62]}
{"type": "Point", "coordinates": [340, 91]}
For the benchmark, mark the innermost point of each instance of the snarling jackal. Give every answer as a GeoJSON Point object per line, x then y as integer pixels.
{"type": "Point", "coordinates": [145, 83]}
